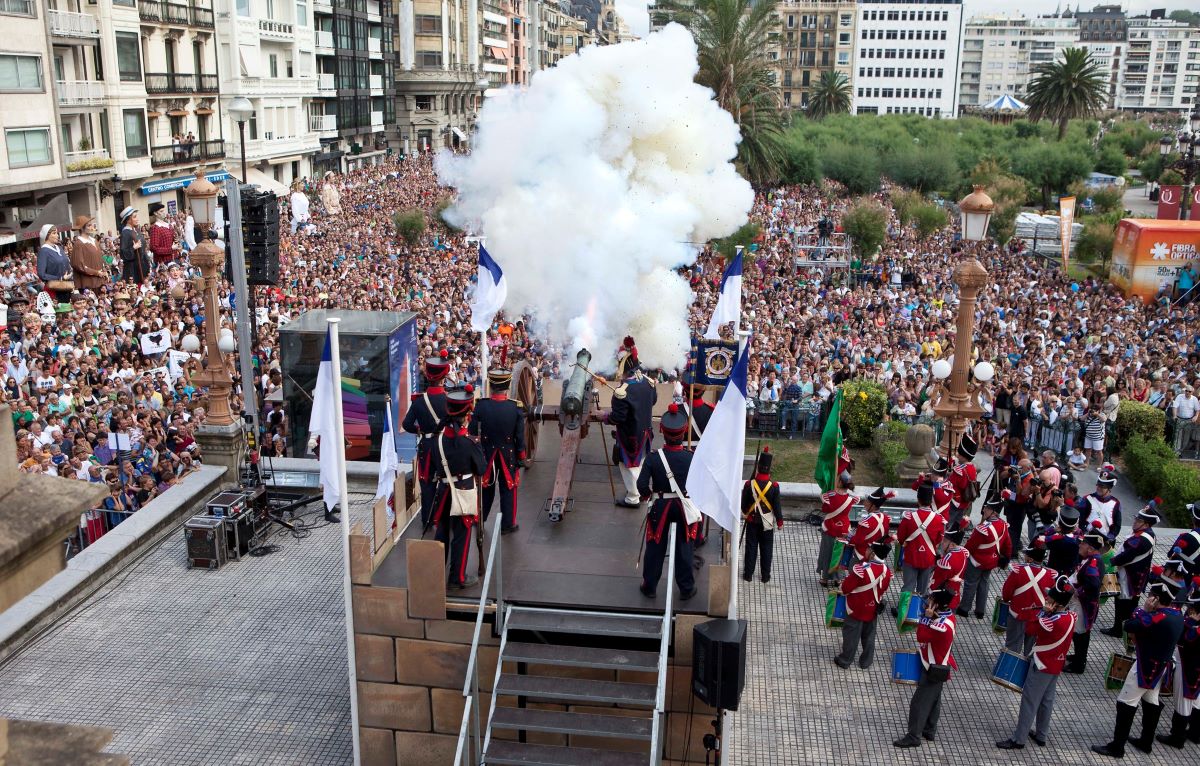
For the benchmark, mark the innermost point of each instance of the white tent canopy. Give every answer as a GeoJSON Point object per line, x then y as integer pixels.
{"type": "Point", "coordinates": [1005, 103]}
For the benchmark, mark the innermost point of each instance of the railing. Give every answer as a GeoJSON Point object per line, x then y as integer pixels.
{"type": "Point", "coordinates": [185, 154]}
{"type": "Point", "coordinates": [376, 82]}
{"type": "Point", "coordinates": [326, 81]}
{"type": "Point", "coordinates": [660, 695]}
{"type": "Point", "coordinates": [168, 82]}
{"type": "Point", "coordinates": [96, 524]}
{"type": "Point", "coordinates": [202, 17]}
{"type": "Point", "coordinates": [177, 14]}
{"type": "Point", "coordinates": [67, 24]}
{"type": "Point", "coordinates": [322, 122]}
{"type": "Point", "coordinates": [207, 83]}
{"type": "Point", "coordinates": [150, 10]}
{"type": "Point", "coordinates": [79, 92]}
{"type": "Point", "coordinates": [276, 28]}
{"type": "Point", "coordinates": [91, 161]}
{"type": "Point", "coordinates": [471, 683]}
{"type": "Point", "coordinates": [324, 39]}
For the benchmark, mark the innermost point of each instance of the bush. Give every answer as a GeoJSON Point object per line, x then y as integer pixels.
{"type": "Point", "coordinates": [904, 201]}
{"type": "Point", "coordinates": [929, 218]}
{"type": "Point", "coordinates": [864, 406]}
{"type": "Point", "coordinates": [1179, 485]}
{"type": "Point", "coordinates": [1108, 198]}
{"type": "Point", "coordinates": [854, 168]}
{"type": "Point", "coordinates": [1096, 241]}
{"type": "Point", "coordinates": [923, 169]}
{"type": "Point", "coordinates": [1111, 161]}
{"type": "Point", "coordinates": [410, 224]}
{"type": "Point", "coordinates": [800, 164]}
{"type": "Point", "coordinates": [1148, 422]}
{"type": "Point", "coordinates": [96, 163]}
{"type": "Point", "coordinates": [1170, 178]}
{"type": "Point", "coordinates": [745, 234]}
{"type": "Point", "coordinates": [891, 455]}
{"type": "Point", "coordinates": [1144, 460]}
{"type": "Point", "coordinates": [866, 225]}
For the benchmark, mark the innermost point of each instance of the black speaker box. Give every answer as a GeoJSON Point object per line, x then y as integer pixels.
{"type": "Point", "coordinates": [719, 662]}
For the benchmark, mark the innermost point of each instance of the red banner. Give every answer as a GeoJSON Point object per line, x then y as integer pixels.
{"type": "Point", "coordinates": [1168, 202]}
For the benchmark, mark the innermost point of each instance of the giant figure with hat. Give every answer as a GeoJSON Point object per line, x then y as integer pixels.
{"type": "Point", "coordinates": [1086, 603]}
{"type": "Point", "coordinates": [458, 463]}
{"type": "Point", "coordinates": [762, 514]}
{"type": "Point", "coordinates": [134, 252]}
{"type": "Point", "coordinates": [424, 418]}
{"type": "Point", "coordinates": [162, 235]}
{"type": "Point", "coordinates": [1185, 720]}
{"type": "Point", "coordinates": [632, 413]}
{"type": "Point", "coordinates": [1156, 628]}
{"type": "Point", "coordinates": [1133, 564]}
{"type": "Point", "coordinates": [989, 547]}
{"type": "Point", "coordinates": [87, 261]}
{"type": "Point", "coordinates": [499, 422]}
{"type": "Point", "coordinates": [662, 481]}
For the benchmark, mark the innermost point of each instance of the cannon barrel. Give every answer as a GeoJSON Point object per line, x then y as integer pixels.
{"type": "Point", "coordinates": [577, 389]}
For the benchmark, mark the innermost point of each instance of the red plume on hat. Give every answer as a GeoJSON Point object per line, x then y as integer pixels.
{"type": "Point", "coordinates": [673, 408]}
{"type": "Point", "coordinates": [1097, 525]}
{"type": "Point", "coordinates": [444, 354]}
{"type": "Point", "coordinates": [1156, 570]}
{"type": "Point", "coordinates": [628, 342]}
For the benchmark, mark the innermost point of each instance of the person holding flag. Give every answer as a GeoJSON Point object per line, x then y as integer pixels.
{"type": "Point", "coordinates": [729, 302]}
{"type": "Point", "coordinates": [491, 290]}
{"type": "Point", "coordinates": [389, 464]}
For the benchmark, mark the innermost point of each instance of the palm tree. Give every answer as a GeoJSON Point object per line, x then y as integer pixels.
{"type": "Point", "coordinates": [831, 95]}
{"type": "Point", "coordinates": [1065, 90]}
{"type": "Point", "coordinates": [732, 38]}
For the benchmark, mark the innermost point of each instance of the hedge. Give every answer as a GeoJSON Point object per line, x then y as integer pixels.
{"type": "Point", "coordinates": [1155, 470]}
{"type": "Point", "coordinates": [864, 406]}
{"type": "Point", "coordinates": [890, 449]}
{"type": "Point", "coordinates": [1137, 418]}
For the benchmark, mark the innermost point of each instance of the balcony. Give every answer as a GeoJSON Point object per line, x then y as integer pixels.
{"type": "Point", "coordinates": [373, 45]}
{"type": "Point", "coordinates": [326, 82]}
{"type": "Point", "coordinates": [376, 82]}
{"type": "Point", "coordinates": [323, 6]}
{"type": "Point", "coordinates": [79, 93]}
{"type": "Point", "coordinates": [83, 163]}
{"type": "Point", "coordinates": [276, 29]}
{"type": "Point", "coordinates": [75, 25]}
{"type": "Point", "coordinates": [324, 39]}
{"type": "Point", "coordinates": [202, 17]}
{"type": "Point", "coordinates": [321, 123]}
{"type": "Point", "coordinates": [186, 154]}
{"type": "Point", "coordinates": [207, 83]}
{"type": "Point", "coordinates": [151, 10]}
{"type": "Point", "coordinates": [377, 120]}
{"type": "Point", "coordinates": [165, 82]}
{"type": "Point", "coordinates": [176, 13]}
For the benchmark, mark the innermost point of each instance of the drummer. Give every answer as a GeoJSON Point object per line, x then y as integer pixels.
{"type": "Point", "coordinates": [1133, 564]}
{"type": "Point", "coordinates": [1086, 603]}
{"type": "Point", "coordinates": [874, 524]}
{"type": "Point", "coordinates": [1156, 627]}
{"type": "Point", "coordinates": [1024, 593]}
{"type": "Point", "coordinates": [935, 641]}
{"type": "Point", "coordinates": [864, 587]}
{"type": "Point", "coordinates": [1187, 676]}
{"type": "Point", "coordinates": [1052, 629]}
{"type": "Point", "coordinates": [952, 562]}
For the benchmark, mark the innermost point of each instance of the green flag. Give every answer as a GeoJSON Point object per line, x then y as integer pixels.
{"type": "Point", "coordinates": [831, 446]}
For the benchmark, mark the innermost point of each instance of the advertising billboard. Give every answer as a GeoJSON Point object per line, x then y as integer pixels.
{"type": "Point", "coordinates": [1148, 254]}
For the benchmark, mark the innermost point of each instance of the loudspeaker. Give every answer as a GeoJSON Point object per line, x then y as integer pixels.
{"type": "Point", "coordinates": [719, 662]}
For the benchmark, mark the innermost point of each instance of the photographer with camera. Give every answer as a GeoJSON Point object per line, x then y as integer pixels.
{"type": "Point", "coordinates": [1021, 485]}
{"type": "Point", "coordinates": [1047, 495]}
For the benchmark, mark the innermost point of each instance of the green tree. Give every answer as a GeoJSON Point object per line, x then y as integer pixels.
{"type": "Point", "coordinates": [904, 201]}
{"type": "Point", "coordinates": [856, 169]}
{"type": "Point", "coordinates": [800, 165]}
{"type": "Point", "coordinates": [831, 95]}
{"type": "Point", "coordinates": [1111, 161]}
{"type": "Point", "coordinates": [1095, 242]}
{"type": "Point", "coordinates": [410, 225]}
{"type": "Point", "coordinates": [743, 236]}
{"type": "Point", "coordinates": [1051, 167]}
{"type": "Point", "coordinates": [1065, 90]}
{"type": "Point", "coordinates": [733, 38]}
{"type": "Point", "coordinates": [866, 225]}
{"type": "Point", "coordinates": [1191, 18]}
{"type": "Point", "coordinates": [929, 218]}
{"type": "Point", "coordinates": [924, 169]}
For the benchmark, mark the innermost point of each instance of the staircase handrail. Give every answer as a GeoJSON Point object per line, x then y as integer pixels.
{"type": "Point", "coordinates": [664, 643]}
{"type": "Point", "coordinates": [471, 679]}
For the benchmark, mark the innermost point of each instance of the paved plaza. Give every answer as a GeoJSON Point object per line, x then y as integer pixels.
{"type": "Point", "coordinates": [243, 665]}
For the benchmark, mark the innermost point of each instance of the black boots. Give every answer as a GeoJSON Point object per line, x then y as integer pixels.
{"type": "Point", "coordinates": [1178, 735]}
{"type": "Point", "coordinates": [1116, 748]}
{"type": "Point", "coordinates": [1150, 715]}
{"type": "Point", "coordinates": [1194, 729]}
{"type": "Point", "coordinates": [1077, 662]}
{"type": "Point", "coordinates": [1122, 611]}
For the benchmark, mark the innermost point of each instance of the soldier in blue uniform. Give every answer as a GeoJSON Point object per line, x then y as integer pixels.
{"type": "Point", "coordinates": [763, 515]}
{"type": "Point", "coordinates": [699, 413]}
{"type": "Point", "coordinates": [662, 481]}
{"type": "Point", "coordinates": [1186, 549]}
{"type": "Point", "coordinates": [1062, 541]}
{"type": "Point", "coordinates": [457, 465]}
{"type": "Point", "coordinates": [1156, 628]}
{"type": "Point", "coordinates": [424, 418]}
{"type": "Point", "coordinates": [632, 413]}
{"type": "Point", "coordinates": [1133, 562]}
{"type": "Point", "coordinates": [1086, 604]}
{"type": "Point", "coordinates": [499, 422]}
{"type": "Point", "coordinates": [1187, 676]}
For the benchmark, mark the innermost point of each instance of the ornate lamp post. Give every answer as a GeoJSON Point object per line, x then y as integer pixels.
{"type": "Point", "coordinates": [1188, 163]}
{"type": "Point", "coordinates": [957, 397]}
{"type": "Point", "coordinates": [202, 197]}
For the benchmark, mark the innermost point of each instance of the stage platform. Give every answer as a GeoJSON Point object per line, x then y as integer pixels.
{"type": "Point", "coordinates": [586, 561]}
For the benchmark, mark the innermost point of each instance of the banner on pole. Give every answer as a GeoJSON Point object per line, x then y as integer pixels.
{"type": "Point", "coordinates": [1066, 220]}
{"type": "Point", "coordinates": [710, 362]}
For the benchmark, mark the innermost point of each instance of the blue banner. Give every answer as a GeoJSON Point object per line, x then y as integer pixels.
{"type": "Point", "coordinates": [710, 362]}
{"type": "Point", "coordinates": [171, 184]}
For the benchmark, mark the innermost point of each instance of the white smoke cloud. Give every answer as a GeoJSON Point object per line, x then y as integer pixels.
{"type": "Point", "coordinates": [590, 184]}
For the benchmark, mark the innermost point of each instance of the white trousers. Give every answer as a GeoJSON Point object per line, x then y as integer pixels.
{"type": "Point", "coordinates": [1183, 705]}
{"type": "Point", "coordinates": [1132, 694]}
{"type": "Point", "coordinates": [629, 476]}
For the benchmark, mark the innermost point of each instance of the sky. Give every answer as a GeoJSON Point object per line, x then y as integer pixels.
{"type": "Point", "coordinates": [634, 11]}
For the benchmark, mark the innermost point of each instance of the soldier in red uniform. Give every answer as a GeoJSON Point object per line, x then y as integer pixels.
{"type": "Point", "coordinates": [963, 476]}
{"type": "Point", "coordinates": [949, 570]}
{"type": "Point", "coordinates": [1024, 592]}
{"type": "Point", "coordinates": [935, 639]}
{"type": "Point", "coordinates": [943, 490]}
{"type": "Point", "coordinates": [864, 586]}
{"type": "Point", "coordinates": [1187, 676]}
{"type": "Point", "coordinates": [1052, 629]}
{"type": "Point", "coordinates": [990, 547]}
{"type": "Point", "coordinates": [920, 533]}
{"type": "Point", "coordinates": [424, 418]}
{"type": "Point", "coordinates": [835, 507]}
{"type": "Point", "coordinates": [874, 524]}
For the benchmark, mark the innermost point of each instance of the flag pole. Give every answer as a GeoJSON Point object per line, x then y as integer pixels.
{"type": "Point", "coordinates": [483, 369]}
{"type": "Point", "coordinates": [742, 339]}
{"type": "Point", "coordinates": [344, 506]}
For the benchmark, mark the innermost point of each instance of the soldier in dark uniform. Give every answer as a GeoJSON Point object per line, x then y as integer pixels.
{"type": "Point", "coordinates": [1187, 676]}
{"type": "Point", "coordinates": [499, 422]}
{"type": "Point", "coordinates": [1086, 603]}
{"type": "Point", "coordinates": [424, 417]}
{"type": "Point", "coordinates": [763, 515]}
{"type": "Point", "coordinates": [458, 464]}
{"type": "Point", "coordinates": [699, 413]}
{"type": "Point", "coordinates": [632, 412]}
{"type": "Point", "coordinates": [1062, 541]}
{"type": "Point", "coordinates": [655, 482]}
{"type": "Point", "coordinates": [1133, 564]}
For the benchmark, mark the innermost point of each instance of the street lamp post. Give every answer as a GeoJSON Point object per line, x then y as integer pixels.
{"type": "Point", "coordinates": [957, 398]}
{"type": "Point", "coordinates": [1188, 163]}
{"type": "Point", "coordinates": [241, 110]}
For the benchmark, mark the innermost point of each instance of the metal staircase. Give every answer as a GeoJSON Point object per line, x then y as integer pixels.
{"type": "Point", "coordinates": [568, 640]}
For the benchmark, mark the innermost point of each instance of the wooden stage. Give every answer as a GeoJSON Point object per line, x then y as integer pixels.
{"type": "Point", "coordinates": [586, 561]}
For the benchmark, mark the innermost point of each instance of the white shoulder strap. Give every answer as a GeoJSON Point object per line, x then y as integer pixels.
{"type": "Point", "coordinates": [670, 476]}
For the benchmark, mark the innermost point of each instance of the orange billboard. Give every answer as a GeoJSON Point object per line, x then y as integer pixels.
{"type": "Point", "coordinates": [1148, 254]}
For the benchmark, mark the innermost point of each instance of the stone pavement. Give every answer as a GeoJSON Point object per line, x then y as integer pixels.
{"type": "Point", "coordinates": [800, 708]}
{"type": "Point", "coordinates": [243, 665]}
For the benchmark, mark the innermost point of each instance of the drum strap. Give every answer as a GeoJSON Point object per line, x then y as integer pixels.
{"type": "Point", "coordinates": [989, 530]}
{"type": "Point", "coordinates": [1037, 661]}
{"type": "Point", "coordinates": [872, 582]}
{"type": "Point", "coordinates": [845, 508]}
{"type": "Point", "coordinates": [1034, 583]}
{"type": "Point", "coordinates": [692, 422]}
{"type": "Point", "coordinates": [1149, 552]}
{"type": "Point", "coordinates": [1196, 553]}
{"type": "Point", "coordinates": [922, 531]}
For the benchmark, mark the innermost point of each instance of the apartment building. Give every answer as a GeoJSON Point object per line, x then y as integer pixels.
{"type": "Point", "coordinates": [1161, 68]}
{"type": "Point", "coordinates": [906, 57]}
{"type": "Point", "coordinates": [813, 36]}
{"type": "Point", "coordinates": [267, 57]}
{"type": "Point", "coordinates": [1000, 54]}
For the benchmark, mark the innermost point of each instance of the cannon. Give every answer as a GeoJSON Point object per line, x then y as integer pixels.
{"type": "Point", "coordinates": [579, 406]}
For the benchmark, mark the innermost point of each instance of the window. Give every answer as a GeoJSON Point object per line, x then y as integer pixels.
{"type": "Point", "coordinates": [243, 8]}
{"type": "Point", "coordinates": [28, 146]}
{"type": "Point", "coordinates": [273, 65]}
{"type": "Point", "coordinates": [302, 13]}
{"type": "Point", "coordinates": [17, 7]}
{"type": "Point", "coordinates": [21, 73]}
{"type": "Point", "coordinates": [429, 25]}
{"type": "Point", "coordinates": [843, 38]}
{"type": "Point", "coordinates": [135, 133]}
{"type": "Point", "coordinates": [129, 56]}
{"type": "Point", "coordinates": [429, 59]}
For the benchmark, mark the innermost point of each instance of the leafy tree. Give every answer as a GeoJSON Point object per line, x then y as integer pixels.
{"type": "Point", "coordinates": [831, 95]}
{"type": "Point", "coordinates": [1007, 191]}
{"type": "Point", "coordinates": [745, 234]}
{"type": "Point", "coordinates": [1111, 161]}
{"type": "Point", "coordinates": [856, 169]}
{"type": "Point", "coordinates": [410, 225]}
{"type": "Point", "coordinates": [1191, 18]}
{"type": "Point", "coordinates": [733, 38]}
{"type": "Point", "coordinates": [1051, 167]}
{"type": "Point", "coordinates": [904, 201]}
{"type": "Point", "coordinates": [866, 225]}
{"type": "Point", "coordinates": [923, 169]}
{"type": "Point", "coordinates": [1095, 242]}
{"type": "Point", "coordinates": [929, 218]}
{"type": "Point", "coordinates": [1170, 177]}
{"type": "Point", "coordinates": [800, 164]}
{"type": "Point", "coordinates": [1072, 88]}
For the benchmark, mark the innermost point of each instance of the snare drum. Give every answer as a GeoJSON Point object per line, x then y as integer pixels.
{"type": "Point", "coordinates": [835, 610]}
{"type": "Point", "coordinates": [1118, 671]}
{"type": "Point", "coordinates": [1000, 616]}
{"type": "Point", "coordinates": [909, 611]}
{"type": "Point", "coordinates": [1110, 586]}
{"type": "Point", "coordinates": [1010, 670]}
{"type": "Point", "coordinates": [906, 667]}
{"type": "Point", "coordinates": [842, 557]}
{"type": "Point", "coordinates": [898, 558]}
{"type": "Point", "coordinates": [1166, 687]}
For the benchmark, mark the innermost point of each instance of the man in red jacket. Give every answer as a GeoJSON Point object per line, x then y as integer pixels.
{"type": "Point", "coordinates": [1024, 592]}
{"type": "Point", "coordinates": [989, 547]}
{"type": "Point", "coordinates": [920, 533]}
{"type": "Point", "coordinates": [864, 587]}
{"type": "Point", "coordinates": [1052, 635]}
{"type": "Point", "coordinates": [943, 490]}
{"type": "Point", "coordinates": [935, 638]}
{"type": "Point", "coordinates": [949, 570]}
{"type": "Point", "coordinates": [963, 475]}
{"type": "Point", "coordinates": [835, 507]}
{"type": "Point", "coordinates": [874, 524]}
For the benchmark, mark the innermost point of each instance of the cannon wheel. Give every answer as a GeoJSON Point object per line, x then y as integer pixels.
{"type": "Point", "coordinates": [524, 388]}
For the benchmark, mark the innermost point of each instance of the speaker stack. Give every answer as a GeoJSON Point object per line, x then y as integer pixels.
{"type": "Point", "coordinates": [719, 662]}
{"type": "Point", "coordinates": [260, 237]}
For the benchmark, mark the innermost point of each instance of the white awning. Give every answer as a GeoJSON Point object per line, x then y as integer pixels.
{"type": "Point", "coordinates": [266, 182]}
{"type": "Point", "coordinates": [461, 136]}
